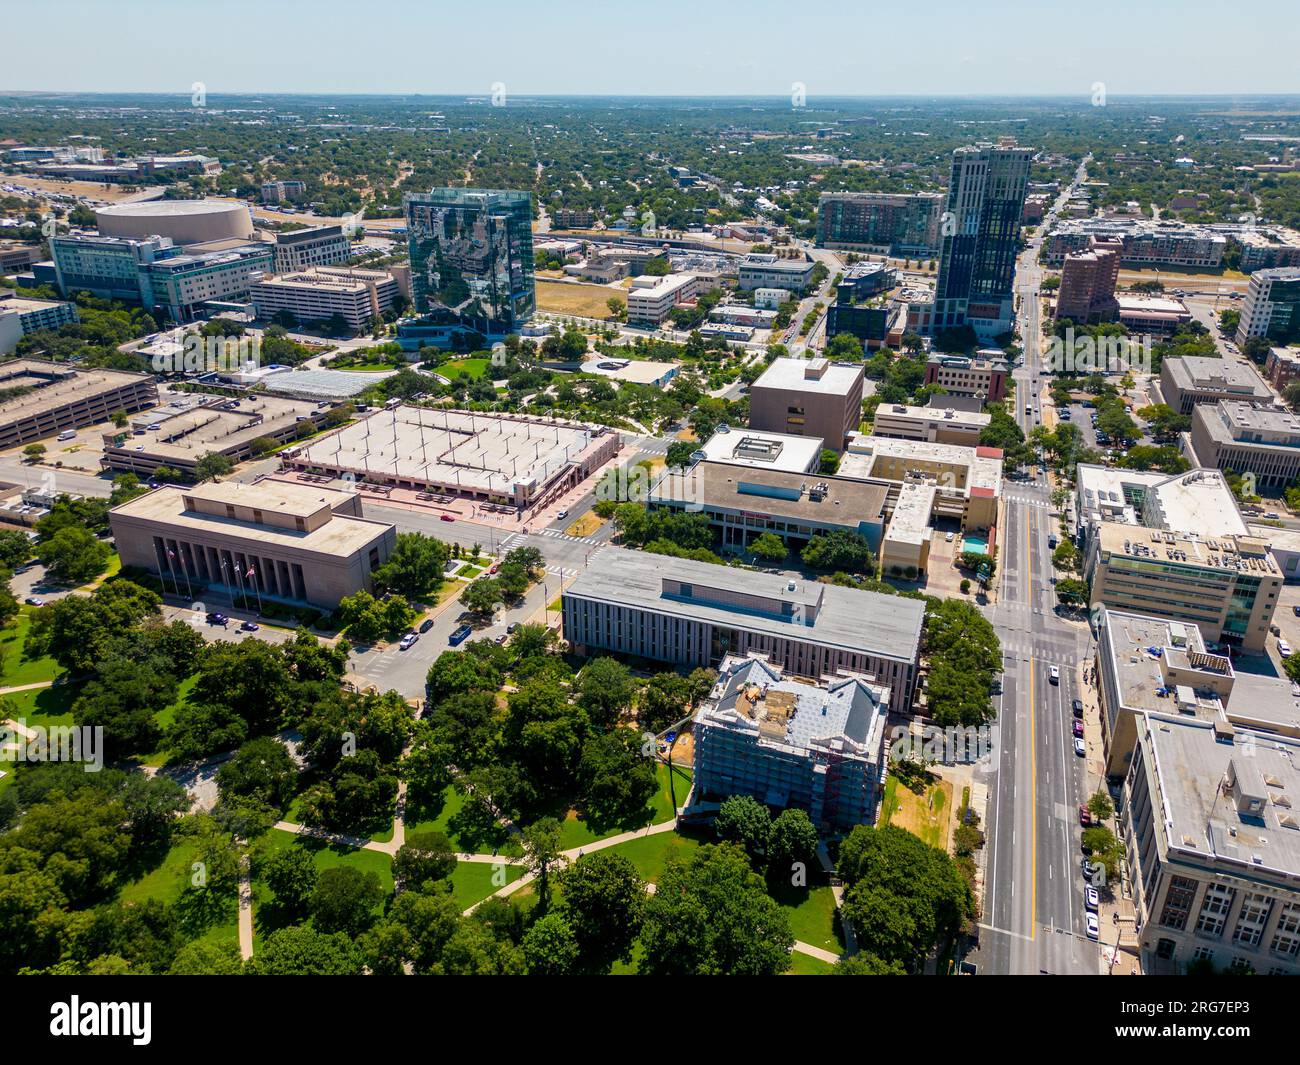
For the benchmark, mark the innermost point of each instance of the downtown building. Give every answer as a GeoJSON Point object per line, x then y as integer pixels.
{"type": "Point", "coordinates": [816, 747]}
{"type": "Point", "coordinates": [1208, 814]}
{"type": "Point", "coordinates": [282, 540]}
{"type": "Point", "coordinates": [902, 225]}
{"type": "Point", "coordinates": [1259, 439]}
{"type": "Point", "coordinates": [808, 397]}
{"type": "Point", "coordinates": [1272, 306]}
{"type": "Point", "coordinates": [303, 249]}
{"type": "Point", "coordinates": [977, 263]}
{"type": "Point", "coordinates": [692, 613]}
{"type": "Point", "coordinates": [1088, 281]}
{"type": "Point", "coordinates": [471, 256]}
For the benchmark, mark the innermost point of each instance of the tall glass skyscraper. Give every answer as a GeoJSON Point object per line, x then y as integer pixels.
{"type": "Point", "coordinates": [981, 231]}
{"type": "Point", "coordinates": [472, 257]}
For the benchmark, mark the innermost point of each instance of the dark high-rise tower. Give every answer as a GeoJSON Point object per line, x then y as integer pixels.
{"type": "Point", "coordinates": [472, 256]}
{"type": "Point", "coordinates": [980, 230]}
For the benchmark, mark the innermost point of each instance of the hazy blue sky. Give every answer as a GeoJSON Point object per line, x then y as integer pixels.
{"type": "Point", "coordinates": [656, 47]}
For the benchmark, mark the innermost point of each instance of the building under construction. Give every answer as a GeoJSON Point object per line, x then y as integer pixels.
{"type": "Point", "coordinates": [505, 459]}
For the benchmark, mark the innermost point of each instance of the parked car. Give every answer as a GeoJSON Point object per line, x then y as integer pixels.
{"type": "Point", "coordinates": [215, 617]}
{"type": "Point", "coordinates": [1085, 866]}
{"type": "Point", "coordinates": [1091, 899]}
{"type": "Point", "coordinates": [1055, 675]}
{"type": "Point", "coordinates": [1283, 648]}
{"type": "Point", "coordinates": [250, 626]}
{"type": "Point", "coordinates": [1077, 707]}
{"type": "Point", "coordinates": [502, 638]}
{"type": "Point", "coordinates": [1094, 930]}
{"type": "Point", "coordinates": [1085, 816]}
{"type": "Point", "coordinates": [408, 641]}
{"type": "Point", "coordinates": [1078, 728]}
{"type": "Point", "coordinates": [1080, 748]}
{"type": "Point", "coordinates": [512, 626]}
{"type": "Point", "coordinates": [426, 624]}
{"type": "Point", "coordinates": [32, 600]}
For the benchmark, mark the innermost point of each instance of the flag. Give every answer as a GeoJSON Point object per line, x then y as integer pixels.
{"type": "Point", "coordinates": [250, 573]}
{"type": "Point", "coordinates": [171, 553]}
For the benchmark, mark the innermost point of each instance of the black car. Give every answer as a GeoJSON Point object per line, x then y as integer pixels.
{"type": "Point", "coordinates": [1085, 864]}
{"type": "Point", "coordinates": [426, 624]}
{"type": "Point", "coordinates": [1077, 707]}
{"type": "Point", "coordinates": [216, 618]}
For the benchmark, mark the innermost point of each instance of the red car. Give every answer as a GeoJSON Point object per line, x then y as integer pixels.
{"type": "Point", "coordinates": [445, 517]}
{"type": "Point", "coordinates": [1078, 728]}
{"type": "Point", "coordinates": [1085, 816]}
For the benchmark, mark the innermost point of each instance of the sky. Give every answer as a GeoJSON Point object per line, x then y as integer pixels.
{"type": "Point", "coordinates": [660, 47]}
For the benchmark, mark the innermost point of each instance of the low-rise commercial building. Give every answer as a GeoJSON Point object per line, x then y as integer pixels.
{"type": "Point", "coordinates": [650, 300]}
{"type": "Point", "coordinates": [1157, 316]}
{"type": "Point", "coordinates": [938, 424]}
{"type": "Point", "coordinates": [694, 613]}
{"type": "Point", "coordinates": [1259, 439]}
{"type": "Point", "coordinates": [984, 374]}
{"type": "Point", "coordinates": [1282, 366]}
{"type": "Point", "coordinates": [770, 299]}
{"type": "Point", "coordinates": [20, 316]}
{"type": "Point", "coordinates": [768, 271]}
{"type": "Point", "coordinates": [763, 451]}
{"type": "Point", "coordinates": [819, 748]}
{"type": "Point", "coordinates": [1186, 382]}
{"type": "Point", "coordinates": [1213, 846]}
{"type": "Point", "coordinates": [283, 191]}
{"type": "Point", "coordinates": [286, 541]}
{"type": "Point", "coordinates": [48, 397]}
{"type": "Point", "coordinates": [808, 397]}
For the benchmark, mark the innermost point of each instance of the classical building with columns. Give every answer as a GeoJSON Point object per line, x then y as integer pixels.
{"type": "Point", "coordinates": [285, 541]}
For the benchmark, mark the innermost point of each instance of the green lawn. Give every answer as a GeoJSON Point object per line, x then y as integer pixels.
{"type": "Point", "coordinates": [367, 367]}
{"type": "Point", "coordinates": [440, 821]}
{"type": "Point", "coordinates": [45, 706]}
{"type": "Point", "coordinates": [806, 965]}
{"type": "Point", "coordinates": [474, 881]}
{"type": "Point", "coordinates": [649, 854]}
{"type": "Point", "coordinates": [811, 912]}
{"type": "Point", "coordinates": [575, 832]}
{"type": "Point", "coordinates": [327, 856]}
{"type": "Point", "coordinates": [14, 669]}
{"type": "Point", "coordinates": [471, 368]}
{"type": "Point", "coordinates": [166, 882]}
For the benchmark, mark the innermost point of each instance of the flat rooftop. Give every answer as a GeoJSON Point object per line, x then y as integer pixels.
{"type": "Point", "coordinates": [341, 536]}
{"type": "Point", "coordinates": [833, 501]}
{"type": "Point", "coordinates": [1109, 493]}
{"type": "Point", "coordinates": [22, 304]}
{"type": "Point", "coordinates": [1198, 501]}
{"type": "Point", "coordinates": [285, 497]}
{"type": "Point", "coordinates": [188, 431]}
{"type": "Point", "coordinates": [1244, 554]}
{"type": "Point", "coordinates": [910, 522]}
{"type": "Point", "coordinates": [765, 451]}
{"type": "Point", "coordinates": [55, 384]}
{"type": "Point", "coordinates": [940, 415]}
{"type": "Point", "coordinates": [1191, 765]}
{"type": "Point", "coordinates": [1139, 643]}
{"type": "Point", "coordinates": [1193, 373]}
{"type": "Point", "coordinates": [322, 384]}
{"type": "Point", "coordinates": [811, 375]}
{"type": "Point", "coordinates": [983, 465]}
{"type": "Point", "coordinates": [483, 452]}
{"type": "Point", "coordinates": [635, 579]}
{"type": "Point", "coordinates": [1240, 417]}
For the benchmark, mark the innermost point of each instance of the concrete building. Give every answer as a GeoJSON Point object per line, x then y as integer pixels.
{"type": "Point", "coordinates": [694, 614]}
{"type": "Point", "coordinates": [20, 316]}
{"type": "Point", "coordinates": [763, 451]}
{"type": "Point", "coordinates": [1186, 382]}
{"type": "Point", "coordinates": [507, 460]}
{"type": "Point", "coordinates": [57, 396]}
{"type": "Point", "coordinates": [903, 225]}
{"type": "Point", "coordinates": [1155, 315]}
{"type": "Point", "coordinates": [984, 374]}
{"type": "Point", "coordinates": [280, 540]}
{"type": "Point", "coordinates": [819, 748]}
{"type": "Point", "coordinates": [768, 271]}
{"type": "Point", "coordinates": [808, 397]}
{"type": "Point", "coordinates": [968, 480]}
{"type": "Point", "coordinates": [743, 502]}
{"type": "Point", "coordinates": [651, 299]}
{"type": "Point", "coordinates": [1088, 280]}
{"type": "Point", "coordinates": [770, 299]}
{"type": "Point", "coordinates": [190, 425]}
{"type": "Point", "coordinates": [1210, 830]}
{"type": "Point", "coordinates": [182, 221]}
{"type": "Point", "coordinates": [1226, 585]}
{"type": "Point", "coordinates": [1271, 308]}
{"type": "Point", "coordinates": [15, 256]}
{"type": "Point", "coordinates": [315, 295]}
{"type": "Point", "coordinates": [1261, 439]}
{"type": "Point", "coordinates": [939, 424]}
{"type": "Point", "coordinates": [303, 249]}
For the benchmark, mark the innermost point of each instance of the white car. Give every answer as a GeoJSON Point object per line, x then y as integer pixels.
{"type": "Point", "coordinates": [1055, 675]}
{"type": "Point", "coordinates": [562, 514]}
{"type": "Point", "coordinates": [1094, 930]}
{"type": "Point", "coordinates": [1283, 648]}
{"type": "Point", "coordinates": [408, 640]}
{"type": "Point", "coordinates": [948, 537]}
{"type": "Point", "coordinates": [1080, 748]}
{"type": "Point", "coordinates": [1091, 899]}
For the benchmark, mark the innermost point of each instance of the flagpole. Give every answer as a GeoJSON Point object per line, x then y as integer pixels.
{"type": "Point", "coordinates": [257, 586]}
